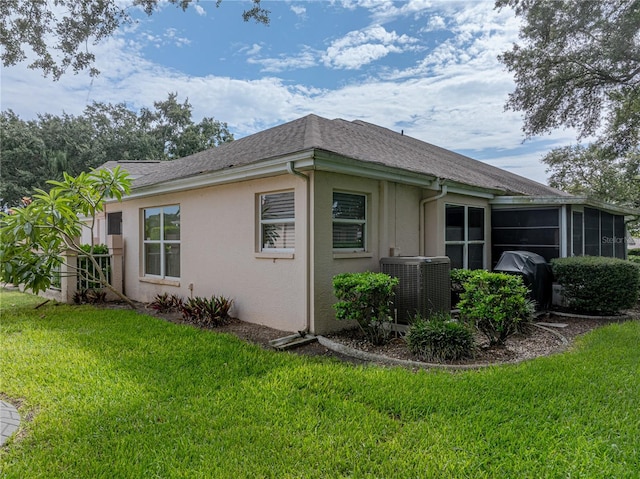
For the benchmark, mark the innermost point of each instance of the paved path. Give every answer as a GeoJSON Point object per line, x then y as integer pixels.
{"type": "Point", "coordinates": [9, 421]}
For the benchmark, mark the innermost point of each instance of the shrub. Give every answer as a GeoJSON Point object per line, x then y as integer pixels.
{"type": "Point", "coordinates": [89, 296]}
{"type": "Point", "coordinates": [458, 278]}
{"type": "Point", "coordinates": [206, 312]}
{"type": "Point", "coordinates": [165, 303]}
{"type": "Point", "coordinates": [366, 298]}
{"type": "Point", "coordinates": [496, 303]}
{"type": "Point", "coordinates": [97, 248]}
{"type": "Point", "coordinates": [592, 284]}
{"type": "Point", "coordinates": [440, 338]}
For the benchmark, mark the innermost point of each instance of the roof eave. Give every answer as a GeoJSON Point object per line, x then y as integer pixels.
{"type": "Point", "coordinates": [564, 200]}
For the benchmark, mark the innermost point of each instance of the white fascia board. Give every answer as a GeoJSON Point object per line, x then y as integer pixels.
{"type": "Point", "coordinates": [562, 200]}
{"type": "Point", "coordinates": [262, 169]}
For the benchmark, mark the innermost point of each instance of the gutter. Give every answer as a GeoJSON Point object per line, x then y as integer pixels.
{"type": "Point", "coordinates": [292, 171]}
{"type": "Point", "coordinates": [443, 192]}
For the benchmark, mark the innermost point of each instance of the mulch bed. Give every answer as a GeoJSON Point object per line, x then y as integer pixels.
{"type": "Point", "coordinates": [535, 343]}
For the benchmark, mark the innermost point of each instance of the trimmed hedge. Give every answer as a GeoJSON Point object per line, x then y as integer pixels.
{"type": "Point", "coordinates": [366, 298]}
{"type": "Point", "coordinates": [593, 284]}
{"type": "Point", "coordinates": [496, 303]}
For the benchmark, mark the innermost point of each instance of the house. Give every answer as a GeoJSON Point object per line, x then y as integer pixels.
{"type": "Point", "coordinates": [269, 219]}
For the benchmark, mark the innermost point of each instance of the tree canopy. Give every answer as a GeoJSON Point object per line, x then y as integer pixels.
{"type": "Point", "coordinates": [592, 171]}
{"type": "Point", "coordinates": [59, 34]}
{"type": "Point", "coordinates": [36, 238]}
{"type": "Point", "coordinates": [39, 150]}
{"type": "Point", "coordinates": [577, 65]}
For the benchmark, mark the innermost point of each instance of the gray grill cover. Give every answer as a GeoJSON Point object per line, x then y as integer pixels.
{"type": "Point", "coordinates": [534, 270]}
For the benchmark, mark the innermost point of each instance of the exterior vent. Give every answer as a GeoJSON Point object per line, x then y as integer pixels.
{"type": "Point", "coordinates": [425, 285]}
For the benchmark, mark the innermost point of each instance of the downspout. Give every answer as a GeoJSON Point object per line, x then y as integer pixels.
{"type": "Point", "coordinates": [292, 171]}
{"type": "Point", "coordinates": [443, 192]}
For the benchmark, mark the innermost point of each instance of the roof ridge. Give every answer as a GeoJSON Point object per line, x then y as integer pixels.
{"type": "Point", "coordinates": [312, 134]}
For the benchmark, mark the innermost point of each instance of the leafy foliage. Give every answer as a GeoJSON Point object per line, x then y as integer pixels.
{"type": "Point", "coordinates": [576, 63]}
{"type": "Point", "coordinates": [597, 285]}
{"type": "Point", "coordinates": [61, 37]}
{"type": "Point", "coordinates": [165, 303]}
{"type": "Point", "coordinates": [36, 151]}
{"type": "Point", "coordinates": [89, 296]}
{"type": "Point", "coordinates": [458, 277]}
{"type": "Point", "coordinates": [596, 172]}
{"type": "Point", "coordinates": [366, 298]}
{"type": "Point", "coordinates": [496, 303]}
{"type": "Point", "coordinates": [95, 249]}
{"type": "Point", "coordinates": [440, 339]}
{"type": "Point", "coordinates": [206, 312]}
{"type": "Point", "coordinates": [35, 238]}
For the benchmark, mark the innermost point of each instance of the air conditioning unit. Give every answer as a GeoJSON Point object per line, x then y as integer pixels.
{"type": "Point", "coordinates": [425, 285]}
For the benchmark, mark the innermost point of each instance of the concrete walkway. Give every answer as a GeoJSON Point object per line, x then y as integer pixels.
{"type": "Point", "coordinates": [9, 421]}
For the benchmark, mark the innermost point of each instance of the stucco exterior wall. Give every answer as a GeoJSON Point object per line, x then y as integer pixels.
{"type": "Point", "coordinates": [392, 228]}
{"type": "Point", "coordinates": [219, 252]}
{"type": "Point", "coordinates": [435, 223]}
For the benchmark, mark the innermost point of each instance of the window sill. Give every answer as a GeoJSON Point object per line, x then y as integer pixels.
{"type": "Point", "coordinates": [162, 281]}
{"type": "Point", "coordinates": [266, 255]}
{"type": "Point", "coordinates": [352, 254]}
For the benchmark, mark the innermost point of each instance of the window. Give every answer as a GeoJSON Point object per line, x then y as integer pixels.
{"type": "Point", "coordinates": [114, 223]}
{"type": "Point", "coordinates": [162, 241]}
{"type": "Point", "coordinates": [277, 222]}
{"type": "Point", "coordinates": [349, 213]}
{"type": "Point", "coordinates": [464, 236]}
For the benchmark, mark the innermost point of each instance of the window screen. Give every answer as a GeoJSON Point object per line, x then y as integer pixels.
{"type": "Point", "coordinates": [349, 221]}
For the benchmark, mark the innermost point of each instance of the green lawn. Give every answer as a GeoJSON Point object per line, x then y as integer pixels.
{"type": "Point", "coordinates": [116, 394]}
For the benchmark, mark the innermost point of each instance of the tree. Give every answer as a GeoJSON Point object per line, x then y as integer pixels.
{"type": "Point", "coordinates": [35, 239]}
{"type": "Point", "coordinates": [578, 66]}
{"type": "Point", "coordinates": [591, 171]}
{"type": "Point", "coordinates": [176, 134]}
{"type": "Point", "coordinates": [39, 150]}
{"type": "Point", "coordinates": [59, 33]}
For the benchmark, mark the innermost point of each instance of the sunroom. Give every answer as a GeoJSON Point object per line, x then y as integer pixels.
{"type": "Point", "coordinates": [556, 227]}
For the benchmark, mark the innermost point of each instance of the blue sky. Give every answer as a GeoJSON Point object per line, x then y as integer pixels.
{"type": "Point", "coordinates": [429, 68]}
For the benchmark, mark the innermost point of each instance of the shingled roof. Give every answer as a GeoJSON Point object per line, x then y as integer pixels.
{"type": "Point", "coordinates": [355, 140]}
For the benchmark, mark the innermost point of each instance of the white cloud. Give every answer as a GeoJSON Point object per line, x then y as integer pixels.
{"type": "Point", "coordinates": [435, 23]}
{"type": "Point", "coordinates": [199, 10]}
{"type": "Point", "coordinates": [453, 97]}
{"type": "Point", "coordinates": [299, 10]}
{"type": "Point", "coordinates": [361, 47]}
{"type": "Point", "coordinates": [306, 58]}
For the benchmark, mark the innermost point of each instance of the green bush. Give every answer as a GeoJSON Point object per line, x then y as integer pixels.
{"type": "Point", "coordinates": [439, 338]}
{"type": "Point", "coordinates": [496, 304]}
{"type": "Point", "coordinates": [592, 284]}
{"type": "Point", "coordinates": [458, 278]}
{"type": "Point", "coordinates": [633, 252]}
{"type": "Point", "coordinates": [366, 298]}
{"type": "Point", "coordinates": [206, 312]}
{"type": "Point", "coordinates": [97, 248]}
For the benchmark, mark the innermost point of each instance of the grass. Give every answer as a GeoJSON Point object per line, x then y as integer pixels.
{"type": "Point", "coordinates": [117, 394]}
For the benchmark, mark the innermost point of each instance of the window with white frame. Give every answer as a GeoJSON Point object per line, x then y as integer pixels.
{"type": "Point", "coordinates": [161, 241]}
{"type": "Point", "coordinates": [464, 236]}
{"type": "Point", "coordinates": [349, 213]}
{"type": "Point", "coordinates": [277, 222]}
